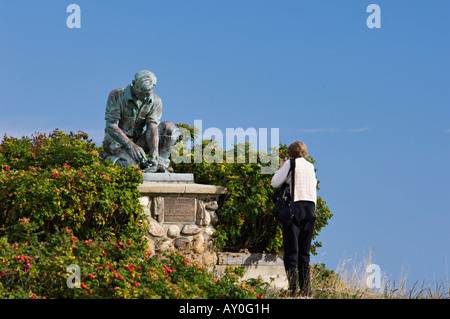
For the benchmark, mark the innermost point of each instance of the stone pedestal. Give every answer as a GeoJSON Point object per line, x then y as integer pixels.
{"type": "Point", "coordinates": [268, 267]}
{"type": "Point", "coordinates": [181, 215]}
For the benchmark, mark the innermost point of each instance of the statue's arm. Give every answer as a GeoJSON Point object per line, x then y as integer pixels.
{"type": "Point", "coordinates": [152, 138]}
{"type": "Point", "coordinates": [113, 129]}
{"type": "Point", "coordinates": [152, 132]}
{"type": "Point", "coordinates": [112, 117]}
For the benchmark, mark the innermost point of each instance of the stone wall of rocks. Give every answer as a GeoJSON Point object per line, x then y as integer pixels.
{"type": "Point", "coordinates": [195, 240]}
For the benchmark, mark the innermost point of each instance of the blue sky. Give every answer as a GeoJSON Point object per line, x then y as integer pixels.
{"type": "Point", "coordinates": [372, 105]}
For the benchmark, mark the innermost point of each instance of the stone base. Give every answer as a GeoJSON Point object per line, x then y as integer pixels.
{"type": "Point", "coordinates": [169, 177]}
{"type": "Point", "coordinates": [181, 216]}
{"type": "Point", "coordinates": [269, 267]}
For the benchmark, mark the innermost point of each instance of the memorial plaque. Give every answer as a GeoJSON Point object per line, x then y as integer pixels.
{"type": "Point", "coordinates": [179, 210]}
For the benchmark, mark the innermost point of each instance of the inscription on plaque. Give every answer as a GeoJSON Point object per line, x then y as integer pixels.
{"type": "Point", "coordinates": [179, 210]}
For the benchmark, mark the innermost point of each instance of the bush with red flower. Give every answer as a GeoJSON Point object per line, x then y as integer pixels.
{"type": "Point", "coordinates": [60, 206]}
{"type": "Point", "coordinates": [59, 180]}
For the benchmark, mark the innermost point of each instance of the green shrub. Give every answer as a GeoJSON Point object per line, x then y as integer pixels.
{"type": "Point", "coordinates": [59, 180]}
{"type": "Point", "coordinates": [107, 269]}
{"type": "Point", "coordinates": [60, 205]}
{"type": "Point", "coordinates": [245, 212]}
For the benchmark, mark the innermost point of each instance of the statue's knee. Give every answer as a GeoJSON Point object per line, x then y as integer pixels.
{"type": "Point", "coordinates": [168, 128]}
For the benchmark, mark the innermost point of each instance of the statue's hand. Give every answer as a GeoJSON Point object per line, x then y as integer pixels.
{"type": "Point", "coordinates": [136, 152]}
{"type": "Point", "coordinates": [153, 160]}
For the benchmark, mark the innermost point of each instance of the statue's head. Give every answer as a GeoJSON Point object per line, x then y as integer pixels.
{"type": "Point", "coordinates": [143, 83]}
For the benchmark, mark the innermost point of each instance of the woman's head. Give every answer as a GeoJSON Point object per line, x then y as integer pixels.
{"type": "Point", "coordinates": [297, 149]}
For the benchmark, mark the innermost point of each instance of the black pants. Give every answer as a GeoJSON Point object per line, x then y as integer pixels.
{"type": "Point", "coordinates": [297, 236]}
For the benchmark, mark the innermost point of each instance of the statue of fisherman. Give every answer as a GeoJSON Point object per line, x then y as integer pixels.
{"type": "Point", "coordinates": [133, 127]}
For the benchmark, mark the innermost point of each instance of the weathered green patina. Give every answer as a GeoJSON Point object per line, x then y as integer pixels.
{"type": "Point", "coordinates": [133, 127]}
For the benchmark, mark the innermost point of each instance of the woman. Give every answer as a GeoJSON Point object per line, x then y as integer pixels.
{"type": "Point", "coordinates": [297, 235]}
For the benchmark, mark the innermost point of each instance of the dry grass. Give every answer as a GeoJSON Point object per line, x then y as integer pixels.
{"type": "Point", "coordinates": [350, 281]}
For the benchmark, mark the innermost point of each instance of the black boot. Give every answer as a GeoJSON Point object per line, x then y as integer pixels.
{"type": "Point", "coordinates": [305, 283]}
{"type": "Point", "coordinates": [292, 277]}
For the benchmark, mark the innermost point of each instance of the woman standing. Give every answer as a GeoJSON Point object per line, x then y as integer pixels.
{"type": "Point", "coordinates": [297, 235]}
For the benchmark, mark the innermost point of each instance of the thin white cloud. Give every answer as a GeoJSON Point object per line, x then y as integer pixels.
{"type": "Point", "coordinates": [357, 130]}
{"type": "Point", "coordinates": [319, 130]}
{"type": "Point", "coordinates": [335, 130]}
{"type": "Point", "coordinates": [447, 130]}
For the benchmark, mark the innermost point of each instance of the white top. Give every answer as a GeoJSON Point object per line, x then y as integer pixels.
{"type": "Point", "coordinates": [305, 179]}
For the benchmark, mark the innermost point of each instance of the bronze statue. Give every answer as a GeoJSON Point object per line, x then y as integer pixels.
{"type": "Point", "coordinates": [129, 109]}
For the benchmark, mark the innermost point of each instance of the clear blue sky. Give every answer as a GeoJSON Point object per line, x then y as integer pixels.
{"type": "Point", "coordinates": [372, 105]}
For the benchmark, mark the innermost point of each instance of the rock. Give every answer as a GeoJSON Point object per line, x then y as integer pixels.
{"type": "Point", "coordinates": [155, 229]}
{"type": "Point", "coordinates": [144, 201]}
{"type": "Point", "coordinates": [157, 208]}
{"type": "Point", "coordinates": [182, 243]}
{"type": "Point", "coordinates": [211, 205]}
{"type": "Point", "coordinates": [190, 230]}
{"type": "Point", "coordinates": [147, 212]}
{"type": "Point", "coordinates": [150, 245]}
{"type": "Point", "coordinates": [199, 244]}
{"type": "Point", "coordinates": [209, 230]}
{"type": "Point", "coordinates": [201, 213]}
{"type": "Point", "coordinates": [213, 218]}
{"type": "Point", "coordinates": [207, 219]}
{"type": "Point", "coordinates": [166, 245]}
{"type": "Point", "coordinates": [209, 259]}
{"type": "Point", "coordinates": [173, 231]}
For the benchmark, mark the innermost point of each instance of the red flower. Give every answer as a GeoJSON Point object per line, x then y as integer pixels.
{"type": "Point", "coordinates": [91, 276]}
{"type": "Point", "coordinates": [55, 174]}
{"type": "Point", "coordinates": [66, 166]}
{"type": "Point", "coordinates": [6, 167]}
{"type": "Point", "coordinates": [136, 284]}
{"type": "Point", "coordinates": [84, 286]}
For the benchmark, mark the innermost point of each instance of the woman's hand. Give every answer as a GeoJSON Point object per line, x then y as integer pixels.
{"type": "Point", "coordinates": [282, 161]}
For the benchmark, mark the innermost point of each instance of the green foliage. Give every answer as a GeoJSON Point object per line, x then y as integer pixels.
{"type": "Point", "coordinates": [108, 269]}
{"type": "Point", "coordinates": [56, 149]}
{"type": "Point", "coordinates": [60, 205]}
{"type": "Point", "coordinates": [321, 277]}
{"type": "Point", "coordinates": [245, 212]}
{"type": "Point", "coordinates": [59, 180]}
